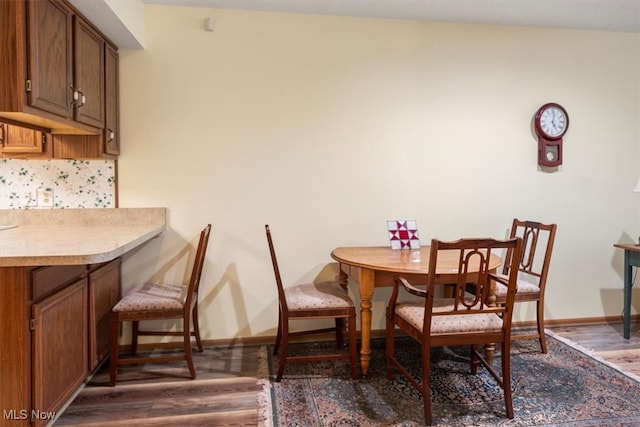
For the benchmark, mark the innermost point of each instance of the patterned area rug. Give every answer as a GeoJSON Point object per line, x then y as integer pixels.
{"type": "Point", "coordinates": [563, 387]}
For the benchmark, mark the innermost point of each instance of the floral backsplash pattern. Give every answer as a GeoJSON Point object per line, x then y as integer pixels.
{"type": "Point", "coordinates": [50, 184]}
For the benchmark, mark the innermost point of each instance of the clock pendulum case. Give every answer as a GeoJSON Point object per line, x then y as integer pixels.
{"type": "Point", "coordinates": [551, 123]}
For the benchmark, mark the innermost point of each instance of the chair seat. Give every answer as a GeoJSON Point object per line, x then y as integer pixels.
{"type": "Point", "coordinates": [522, 287]}
{"type": "Point", "coordinates": [413, 313]}
{"type": "Point", "coordinates": [153, 297]}
{"type": "Point", "coordinates": [317, 295]}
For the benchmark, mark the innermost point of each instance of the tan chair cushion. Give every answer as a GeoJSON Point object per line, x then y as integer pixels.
{"type": "Point", "coordinates": [523, 287]}
{"type": "Point", "coordinates": [317, 295]}
{"type": "Point", "coordinates": [150, 297]}
{"type": "Point", "coordinates": [445, 324]}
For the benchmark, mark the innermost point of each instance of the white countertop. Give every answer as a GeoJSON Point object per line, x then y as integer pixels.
{"type": "Point", "coordinates": [75, 236]}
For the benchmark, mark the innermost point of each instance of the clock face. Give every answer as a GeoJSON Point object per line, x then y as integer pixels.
{"type": "Point", "coordinates": [553, 121]}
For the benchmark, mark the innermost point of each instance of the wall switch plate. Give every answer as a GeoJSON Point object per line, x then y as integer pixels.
{"type": "Point", "coordinates": [45, 197]}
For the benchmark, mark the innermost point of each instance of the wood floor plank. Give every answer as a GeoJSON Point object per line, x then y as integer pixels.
{"type": "Point", "coordinates": [227, 388]}
{"type": "Point", "coordinates": [607, 342]}
{"type": "Point", "coordinates": [225, 392]}
{"type": "Point", "coordinates": [246, 417]}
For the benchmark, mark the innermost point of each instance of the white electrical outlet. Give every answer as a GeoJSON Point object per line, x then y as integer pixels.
{"type": "Point", "coordinates": [45, 197]}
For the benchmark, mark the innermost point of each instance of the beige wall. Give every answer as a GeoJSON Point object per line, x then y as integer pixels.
{"type": "Point", "coordinates": [326, 127]}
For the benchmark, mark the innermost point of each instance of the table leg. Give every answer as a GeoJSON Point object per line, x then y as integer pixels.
{"type": "Point", "coordinates": [628, 274]}
{"type": "Point", "coordinates": [343, 279]}
{"type": "Point", "coordinates": [366, 286]}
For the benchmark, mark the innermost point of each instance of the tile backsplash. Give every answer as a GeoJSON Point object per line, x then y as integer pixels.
{"type": "Point", "coordinates": [50, 184]}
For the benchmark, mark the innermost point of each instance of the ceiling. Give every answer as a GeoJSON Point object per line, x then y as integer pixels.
{"type": "Point", "coordinates": [601, 15]}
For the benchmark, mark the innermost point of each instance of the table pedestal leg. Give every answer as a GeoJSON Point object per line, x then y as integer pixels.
{"type": "Point", "coordinates": [366, 281]}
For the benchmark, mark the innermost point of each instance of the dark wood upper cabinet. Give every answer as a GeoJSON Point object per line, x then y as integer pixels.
{"type": "Point", "coordinates": [49, 79]}
{"type": "Point", "coordinates": [58, 74]}
{"type": "Point", "coordinates": [52, 71]}
{"type": "Point", "coordinates": [112, 105]}
{"type": "Point", "coordinates": [88, 88]}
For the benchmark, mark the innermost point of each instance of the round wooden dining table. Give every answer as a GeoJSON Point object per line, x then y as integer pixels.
{"type": "Point", "coordinates": [377, 266]}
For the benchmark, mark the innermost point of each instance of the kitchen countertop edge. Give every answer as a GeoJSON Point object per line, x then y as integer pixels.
{"type": "Point", "coordinates": [138, 225]}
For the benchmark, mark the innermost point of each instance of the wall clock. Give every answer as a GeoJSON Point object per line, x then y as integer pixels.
{"type": "Point", "coordinates": [551, 124]}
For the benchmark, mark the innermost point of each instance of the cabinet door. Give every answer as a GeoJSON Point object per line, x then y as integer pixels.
{"type": "Point", "coordinates": [18, 139]}
{"type": "Point", "coordinates": [50, 57]}
{"type": "Point", "coordinates": [104, 293]}
{"type": "Point", "coordinates": [59, 347]}
{"type": "Point", "coordinates": [88, 74]}
{"type": "Point", "coordinates": [112, 127]}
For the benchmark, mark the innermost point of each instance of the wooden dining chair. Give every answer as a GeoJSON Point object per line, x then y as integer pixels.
{"type": "Point", "coordinates": [160, 302]}
{"type": "Point", "coordinates": [537, 239]}
{"type": "Point", "coordinates": [463, 319]}
{"type": "Point", "coordinates": [326, 300]}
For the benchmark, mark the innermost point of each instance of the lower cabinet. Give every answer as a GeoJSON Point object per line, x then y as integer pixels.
{"type": "Point", "coordinates": [59, 348]}
{"type": "Point", "coordinates": [54, 334]}
{"type": "Point", "coordinates": [104, 293]}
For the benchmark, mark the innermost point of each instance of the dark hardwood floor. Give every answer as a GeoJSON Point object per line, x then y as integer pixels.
{"type": "Point", "coordinates": [227, 389]}
{"type": "Point", "coordinates": [225, 392]}
{"type": "Point", "coordinates": [605, 341]}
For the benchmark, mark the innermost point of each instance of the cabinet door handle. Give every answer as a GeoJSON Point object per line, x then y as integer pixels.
{"type": "Point", "coordinates": [111, 135]}
{"type": "Point", "coordinates": [74, 94]}
{"type": "Point", "coordinates": [78, 98]}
